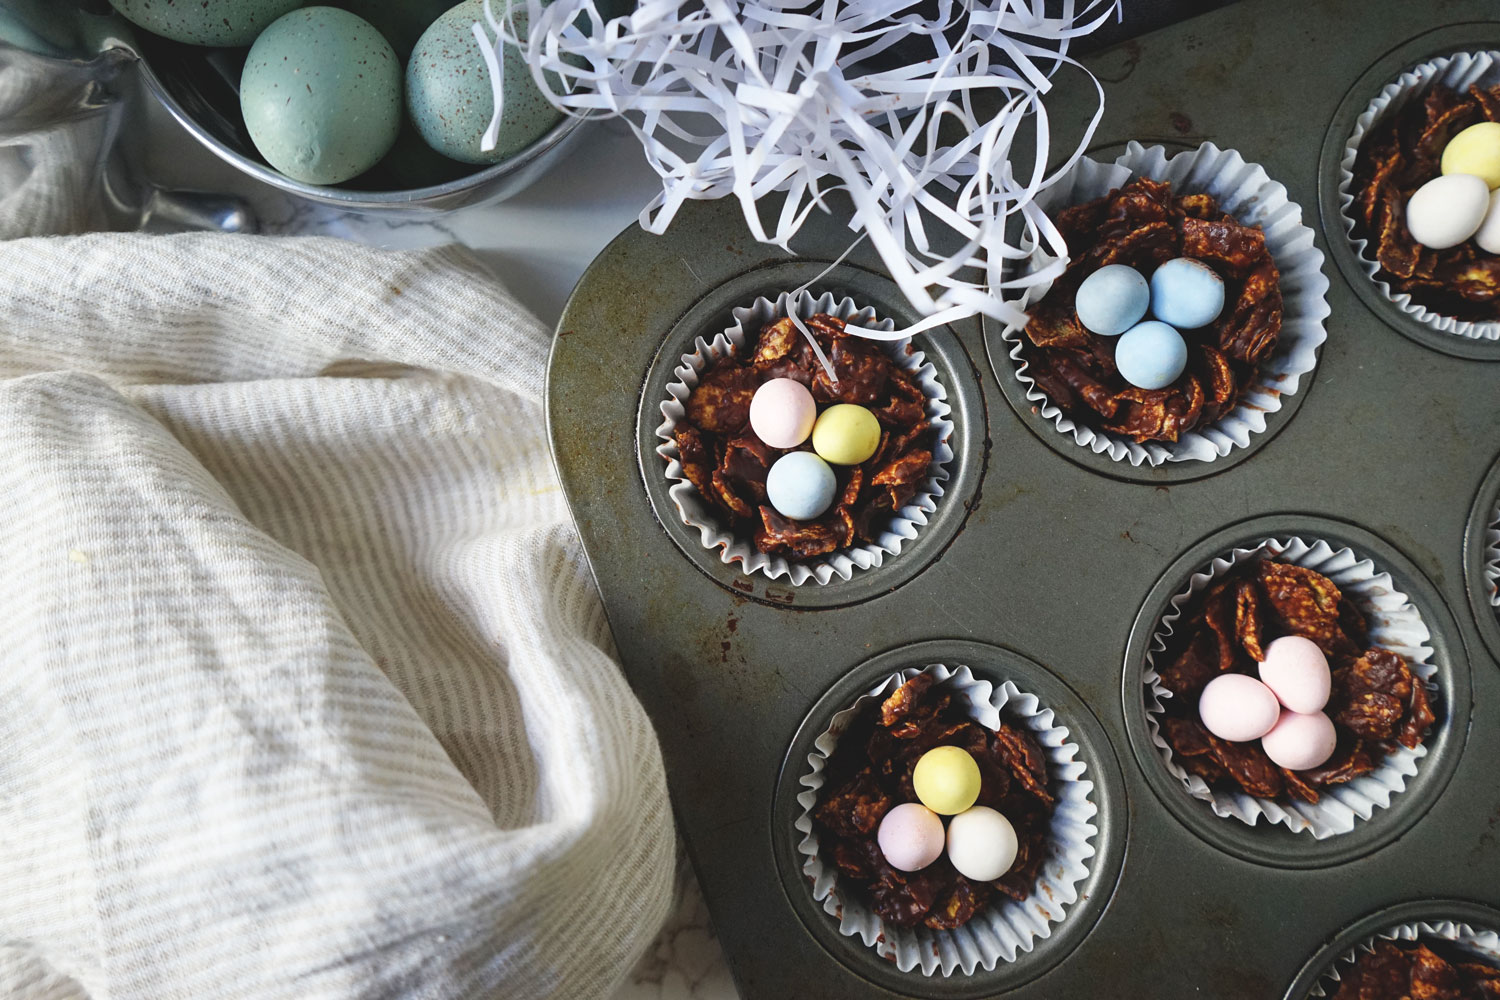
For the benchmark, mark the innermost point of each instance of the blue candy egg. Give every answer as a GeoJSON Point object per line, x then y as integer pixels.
{"type": "Point", "coordinates": [1151, 355]}
{"type": "Point", "coordinates": [1112, 300]}
{"type": "Point", "coordinates": [1186, 293]}
{"type": "Point", "coordinates": [800, 485]}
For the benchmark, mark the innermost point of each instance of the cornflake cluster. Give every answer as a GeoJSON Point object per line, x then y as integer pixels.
{"type": "Point", "coordinates": [1144, 225]}
{"type": "Point", "coordinates": [1377, 701]}
{"type": "Point", "coordinates": [1400, 971]}
{"type": "Point", "coordinates": [871, 773]}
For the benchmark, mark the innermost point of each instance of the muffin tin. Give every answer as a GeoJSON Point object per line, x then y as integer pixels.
{"type": "Point", "coordinates": [1049, 569]}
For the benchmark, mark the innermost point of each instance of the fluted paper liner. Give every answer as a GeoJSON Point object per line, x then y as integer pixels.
{"type": "Point", "coordinates": [1483, 943]}
{"type": "Point", "coordinates": [1458, 71]}
{"type": "Point", "coordinates": [1246, 192]}
{"type": "Point", "coordinates": [1394, 624]}
{"type": "Point", "coordinates": [1005, 927]}
{"type": "Point", "coordinates": [697, 512]}
{"type": "Point", "coordinates": [1492, 558]}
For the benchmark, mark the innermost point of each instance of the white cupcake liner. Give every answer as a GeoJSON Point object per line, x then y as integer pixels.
{"type": "Point", "coordinates": [1246, 192]}
{"type": "Point", "coordinates": [1459, 71]}
{"type": "Point", "coordinates": [1005, 927]}
{"type": "Point", "coordinates": [1394, 624]}
{"type": "Point", "coordinates": [1492, 558]}
{"type": "Point", "coordinates": [697, 512]}
{"type": "Point", "coordinates": [1483, 943]}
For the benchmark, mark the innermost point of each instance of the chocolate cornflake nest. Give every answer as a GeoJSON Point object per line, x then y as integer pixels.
{"type": "Point", "coordinates": [870, 773]}
{"type": "Point", "coordinates": [727, 463]}
{"type": "Point", "coordinates": [1406, 969]}
{"type": "Point", "coordinates": [1377, 701]}
{"type": "Point", "coordinates": [1402, 152]}
{"type": "Point", "coordinates": [1143, 225]}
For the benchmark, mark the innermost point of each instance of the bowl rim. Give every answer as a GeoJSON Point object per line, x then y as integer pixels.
{"type": "Point", "coordinates": [344, 197]}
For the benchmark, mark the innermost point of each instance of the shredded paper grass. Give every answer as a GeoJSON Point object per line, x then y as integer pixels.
{"type": "Point", "coordinates": [912, 109]}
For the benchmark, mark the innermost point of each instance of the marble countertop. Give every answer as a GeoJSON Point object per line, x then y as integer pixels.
{"type": "Point", "coordinates": [538, 243]}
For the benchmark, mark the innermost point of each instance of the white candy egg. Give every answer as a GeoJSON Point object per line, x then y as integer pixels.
{"type": "Point", "coordinates": [982, 844]}
{"type": "Point", "coordinates": [1447, 210]}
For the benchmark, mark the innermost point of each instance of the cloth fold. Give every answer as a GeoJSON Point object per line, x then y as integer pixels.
{"type": "Point", "coordinates": [307, 691]}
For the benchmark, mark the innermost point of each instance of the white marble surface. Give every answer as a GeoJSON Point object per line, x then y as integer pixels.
{"type": "Point", "coordinates": [538, 243]}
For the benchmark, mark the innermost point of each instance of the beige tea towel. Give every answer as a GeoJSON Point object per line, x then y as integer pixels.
{"type": "Point", "coordinates": [305, 691]}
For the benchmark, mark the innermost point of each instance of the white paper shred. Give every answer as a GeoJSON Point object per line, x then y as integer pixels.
{"type": "Point", "coordinates": [749, 97]}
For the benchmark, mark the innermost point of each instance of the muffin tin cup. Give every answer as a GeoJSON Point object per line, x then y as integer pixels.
{"type": "Point", "coordinates": [1395, 624]}
{"type": "Point", "coordinates": [699, 515]}
{"type": "Point", "coordinates": [1245, 191]}
{"type": "Point", "coordinates": [1458, 71]}
{"type": "Point", "coordinates": [1482, 559]}
{"type": "Point", "coordinates": [1469, 926]}
{"type": "Point", "coordinates": [1483, 944]}
{"type": "Point", "coordinates": [1005, 928]}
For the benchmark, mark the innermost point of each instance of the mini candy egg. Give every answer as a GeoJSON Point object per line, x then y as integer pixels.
{"type": "Point", "coordinates": [1151, 355]}
{"type": "Point", "coordinates": [1186, 293]}
{"type": "Point", "coordinates": [1238, 708]}
{"type": "Point", "coordinates": [1488, 236]}
{"type": "Point", "coordinates": [800, 485]}
{"type": "Point", "coordinates": [982, 844]}
{"type": "Point", "coordinates": [1296, 671]}
{"type": "Point", "coordinates": [846, 434]}
{"type": "Point", "coordinates": [911, 837]}
{"type": "Point", "coordinates": [1475, 150]}
{"type": "Point", "coordinates": [1112, 300]}
{"type": "Point", "coordinates": [782, 413]}
{"type": "Point", "coordinates": [946, 779]}
{"type": "Point", "coordinates": [321, 95]}
{"type": "Point", "coordinates": [205, 22]}
{"type": "Point", "coordinates": [1298, 742]}
{"type": "Point", "coordinates": [448, 91]}
{"type": "Point", "coordinates": [1447, 210]}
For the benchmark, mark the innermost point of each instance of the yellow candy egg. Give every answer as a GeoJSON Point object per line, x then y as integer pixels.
{"type": "Point", "coordinates": [946, 779]}
{"type": "Point", "coordinates": [1475, 150]}
{"type": "Point", "coordinates": [846, 434]}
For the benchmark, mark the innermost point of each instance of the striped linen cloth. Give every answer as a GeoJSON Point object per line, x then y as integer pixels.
{"type": "Point", "coordinates": [305, 690]}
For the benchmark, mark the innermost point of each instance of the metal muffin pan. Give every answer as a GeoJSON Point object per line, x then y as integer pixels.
{"type": "Point", "coordinates": [1053, 560]}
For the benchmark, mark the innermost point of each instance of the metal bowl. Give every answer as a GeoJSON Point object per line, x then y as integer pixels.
{"type": "Point", "coordinates": [200, 88]}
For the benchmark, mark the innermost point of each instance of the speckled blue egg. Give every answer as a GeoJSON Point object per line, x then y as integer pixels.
{"type": "Point", "coordinates": [448, 93]}
{"type": "Point", "coordinates": [1186, 293]}
{"type": "Point", "coordinates": [205, 22]}
{"type": "Point", "coordinates": [1112, 300]}
{"type": "Point", "coordinates": [800, 485]}
{"type": "Point", "coordinates": [1151, 355]}
{"type": "Point", "coordinates": [321, 95]}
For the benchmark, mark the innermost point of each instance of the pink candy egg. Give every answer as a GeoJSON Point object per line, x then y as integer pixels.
{"type": "Point", "coordinates": [1238, 708]}
{"type": "Point", "coordinates": [1296, 671]}
{"type": "Point", "coordinates": [1298, 742]}
{"type": "Point", "coordinates": [782, 413]}
{"type": "Point", "coordinates": [911, 837]}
